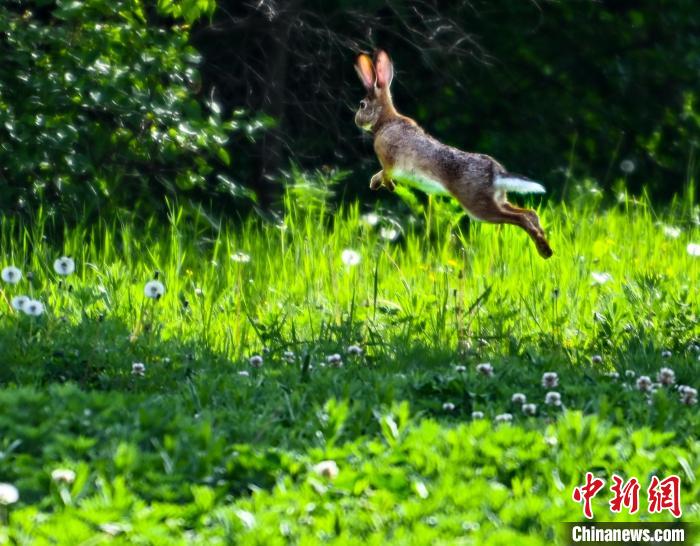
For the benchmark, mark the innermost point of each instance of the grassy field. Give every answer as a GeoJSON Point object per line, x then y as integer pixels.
{"type": "Point", "coordinates": [350, 338]}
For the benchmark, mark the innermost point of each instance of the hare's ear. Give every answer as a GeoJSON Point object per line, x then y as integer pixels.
{"type": "Point", "coordinates": [365, 70]}
{"type": "Point", "coordinates": [385, 70]}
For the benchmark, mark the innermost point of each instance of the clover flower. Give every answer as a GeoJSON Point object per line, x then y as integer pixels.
{"type": "Point", "coordinates": [371, 219]}
{"type": "Point", "coordinates": [529, 409]}
{"type": "Point", "coordinates": [448, 406]}
{"type": "Point", "coordinates": [138, 368]}
{"type": "Point", "coordinates": [666, 376]}
{"type": "Point", "coordinates": [596, 359]}
{"type": "Point", "coordinates": [327, 469]}
{"type": "Point", "coordinates": [601, 278]}
{"type": "Point", "coordinates": [256, 361]}
{"type": "Point", "coordinates": [8, 494]}
{"type": "Point", "coordinates": [552, 398]}
{"type": "Point", "coordinates": [550, 380]}
{"type": "Point", "coordinates": [485, 368]}
{"type": "Point", "coordinates": [693, 249]}
{"type": "Point", "coordinates": [335, 360]}
{"type": "Point", "coordinates": [518, 398]}
{"type": "Point", "coordinates": [240, 257]}
{"type": "Point", "coordinates": [666, 354]}
{"type": "Point", "coordinates": [63, 475]}
{"type": "Point", "coordinates": [503, 418]}
{"type": "Point", "coordinates": [644, 383]}
{"type": "Point", "coordinates": [354, 350]}
{"type": "Point", "coordinates": [477, 415]}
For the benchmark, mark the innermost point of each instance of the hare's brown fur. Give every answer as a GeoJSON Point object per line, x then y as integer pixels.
{"type": "Point", "coordinates": [401, 145]}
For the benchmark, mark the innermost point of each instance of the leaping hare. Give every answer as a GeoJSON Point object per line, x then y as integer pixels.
{"type": "Point", "coordinates": [409, 155]}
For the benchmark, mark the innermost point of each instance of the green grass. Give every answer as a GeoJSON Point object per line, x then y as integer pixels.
{"type": "Point", "coordinates": [206, 449]}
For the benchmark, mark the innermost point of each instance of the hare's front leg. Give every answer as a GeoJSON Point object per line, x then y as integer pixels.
{"type": "Point", "coordinates": [379, 180]}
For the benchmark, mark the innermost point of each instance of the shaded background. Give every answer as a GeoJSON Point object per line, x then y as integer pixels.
{"type": "Point", "coordinates": [604, 91]}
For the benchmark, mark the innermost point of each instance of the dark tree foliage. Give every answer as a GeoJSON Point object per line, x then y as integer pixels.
{"type": "Point", "coordinates": [554, 89]}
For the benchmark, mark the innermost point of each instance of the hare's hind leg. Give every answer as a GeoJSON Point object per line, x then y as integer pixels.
{"type": "Point", "coordinates": [380, 179]}
{"type": "Point", "coordinates": [505, 213]}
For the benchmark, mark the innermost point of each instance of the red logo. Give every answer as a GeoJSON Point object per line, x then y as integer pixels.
{"type": "Point", "coordinates": [586, 492]}
{"type": "Point", "coordinates": [665, 495]}
{"type": "Point", "coordinates": [626, 495]}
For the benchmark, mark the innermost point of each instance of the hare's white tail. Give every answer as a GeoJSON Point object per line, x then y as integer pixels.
{"type": "Point", "coordinates": [518, 184]}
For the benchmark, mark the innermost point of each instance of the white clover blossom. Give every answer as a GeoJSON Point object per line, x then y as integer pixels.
{"type": "Point", "coordinates": [256, 361]}
{"type": "Point", "coordinates": [518, 398]}
{"type": "Point", "coordinates": [354, 350]}
{"type": "Point", "coordinates": [552, 398]}
{"type": "Point", "coordinates": [448, 406]}
{"type": "Point", "coordinates": [64, 266]}
{"type": "Point", "coordinates": [460, 368]}
{"type": "Point", "coordinates": [18, 302]}
{"type": "Point", "coordinates": [8, 494]}
{"type": "Point", "coordinates": [63, 475]}
{"type": "Point", "coordinates": [630, 373]}
{"type": "Point", "coordinates": [550, 380]}
{"type": "Point", "coordinates": [33, 308]}
{"type": "Point", "coordinates": [693, 249]}
{"type": "Point", "coordinates": [289, 356]}
{"type": "Point", "coordinates": [666, 376]}
{"type": "Point", "coordinates": [529, 409]}
{"type": "Point", "coordinates": [154, 289]}
{"type": "Point", "coordinates": [485, 368]}
{"type": "Point", "coordinates": [689, 396]}
{"type": "Point", "coordinates": [138, 368]}
{"type": "Point", "coordinates": [503, 418]}
{"type": "Point", "coordinates": [644, 383]}
{"type": "Point", "coordinates": [335, 360]}
{"type": "Point", "coordinates": [672, 232]}
{"type": "Point", "coordinates": [240, 257]}
{"type": "Point", "coordinates": [371, 219]}
{"type": "Point", "coordinates": [666, 354]}
{"type": "Point", "coordinates": [327, 469]}
{"type": "Point", "coordinates": [596, 359]}
{"type": "Point", "coordinates": [350, 257]}
{"type": "Point", "coordinates": [244, 373]}
{"type": "Point", "coordinates": [613, 375]}
{"type": "Point", "coordinates": [600, 278]}
{"type": "Point", "coordinates": [11, 274]}
{"type": "Point", "coordinates": [477, 415]}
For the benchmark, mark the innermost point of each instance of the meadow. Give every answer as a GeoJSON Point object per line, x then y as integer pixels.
{"type": "Point", "coordinates": [397, 376]}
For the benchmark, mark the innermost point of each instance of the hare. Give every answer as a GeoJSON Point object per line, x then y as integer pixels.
{"type": "Point", "coordinates": [409, 155]}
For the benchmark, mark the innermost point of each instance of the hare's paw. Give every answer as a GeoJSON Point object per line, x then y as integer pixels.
{"type": "Point", "coordinates": [376, 181]}
{"type": "Point", "coordinates": [389, 184]}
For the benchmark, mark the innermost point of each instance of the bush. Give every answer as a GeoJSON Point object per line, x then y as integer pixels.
{"type": "Point", "coordinates": [101, 106]}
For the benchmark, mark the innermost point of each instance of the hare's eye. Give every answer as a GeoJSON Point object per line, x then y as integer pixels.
{"type": "Point", "coordinates": [363, 104]}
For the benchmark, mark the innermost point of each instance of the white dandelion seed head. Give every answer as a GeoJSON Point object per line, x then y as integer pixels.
{"type": "Point", "coordinates": [596, 359]}
{"type": "Point", "coordinates": [256, 361]}
{"type": "Point", "coordinates": [18, 302]}
{"type": "Point", "coordinates": [11, 274]}
{"type": "Point", "coordinates": [389, 233]}
{"type": "Point", "coordinates": [354, 350]}
{"type": "Point", "coordinates": [371, 219]}
{"type": "Point", "coordinates": [138, 368]}
{"type": "Point", "coordinates": [552, 398]}
{"type": "Point", "coordinates": [672, 232]}
{"type": "Point", "coordinates": [63, 475]}
{"type": "Point", "coordinates": [33, 308]}
{"type": "Point", "coordinates": [477, 415]}
{"type": "Point", "coordinates": [350, 257]}
{"type": "Point", "coordinates": [601, 278]}
{"type": "Point", "coordinates": [529, 409]}
{"type": "Point", "coordinates": [485, 368]}
{"type": "Point", "coordinates": [627, 166]}
{"type": "Point", "coordinates": [240, 257]}
{"type": "Point", "coordinates": [666, 354]}
{"type": "Point", "coordinates": [518, 398]}
{"type": "Point", "coordinates": [666, 376]}
{"type": "Point", "coordinates": [8, 494]}
{"type": "Point", "coordinates": [327, 469]}
{"type": "Point", "coordinates": [644, 383]}
{"type": "Point", "coordinates": [693, 249]}
{"type": "Point", "coordinates": [503, 418]}
{"type": "Point", "coordinates": [154, 289]}
{"type": "Point", "coordinates": [550, 380]}
{"type": "Point", "coordinates": [64, 266]}
{"type": "Point", "coordinates": [448, 406]}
